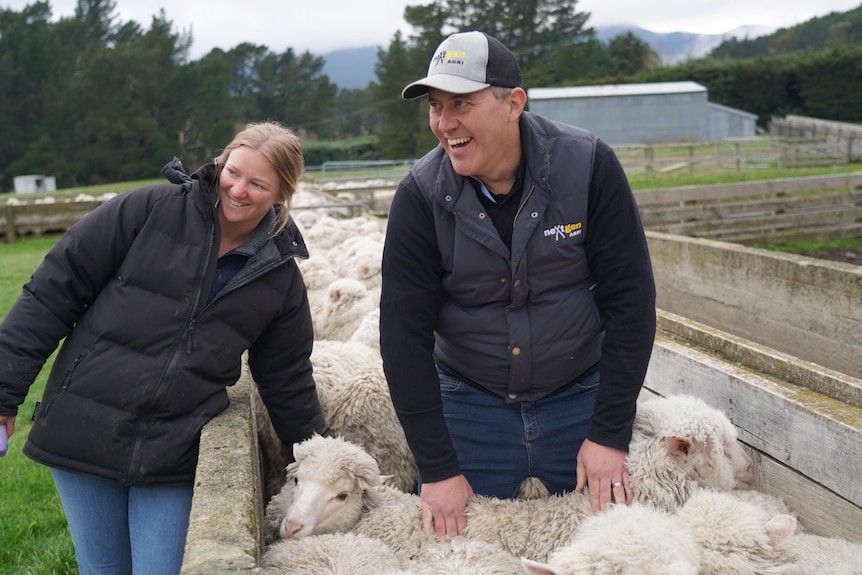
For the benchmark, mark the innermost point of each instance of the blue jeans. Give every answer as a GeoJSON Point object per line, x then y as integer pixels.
{"type": "Point", "coordinates": [499, 444]}
{"type": "Point", "coordinates": [124, 530]}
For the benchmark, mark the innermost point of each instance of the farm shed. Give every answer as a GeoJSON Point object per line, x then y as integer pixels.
{"type": "Point", "coordinates": [34, 183]}
{"type": "Point", "coordinates": [643, 113]}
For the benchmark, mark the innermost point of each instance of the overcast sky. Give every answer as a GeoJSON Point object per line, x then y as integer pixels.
{"type": "Point", "coordinates": [322, 26]}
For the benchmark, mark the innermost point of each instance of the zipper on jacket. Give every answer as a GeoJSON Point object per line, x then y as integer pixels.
{"type": "Point", "coordinates": [64, 385]}
{"type": "Point", "coordinates": [191, 331]}
{"type": "Point", "coordinates": [524, 203]}
{"type": "Point", "coordinates": [155, 399]}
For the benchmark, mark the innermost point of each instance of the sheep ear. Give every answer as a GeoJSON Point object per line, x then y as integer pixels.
{"type": "Point", "coordinates": [536, 568]}
{"type": "Point", "coordinates": [297, 450]}
{"type": "Point", "coordinates": [370, 481]}
{"type": "Point", "coordinates": [780, 528]}
{"type": "Point", "coordinates": [384, 478]}
{"type": "Point", "coordinates": [680, 446]}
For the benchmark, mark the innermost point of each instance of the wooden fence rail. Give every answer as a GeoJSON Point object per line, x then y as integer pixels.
{"type": "Point", "coordinates": [767, 211]}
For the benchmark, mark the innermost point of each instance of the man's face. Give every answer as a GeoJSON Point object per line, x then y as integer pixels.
{"type": "Point", "coordinates": [476, 130]}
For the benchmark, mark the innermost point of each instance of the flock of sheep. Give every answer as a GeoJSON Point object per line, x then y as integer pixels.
{"type": "Point", "coordinates": [348, 505]}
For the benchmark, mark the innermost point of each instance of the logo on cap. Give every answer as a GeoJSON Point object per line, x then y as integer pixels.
{"type": "Point", "coordinates": [449, 57]}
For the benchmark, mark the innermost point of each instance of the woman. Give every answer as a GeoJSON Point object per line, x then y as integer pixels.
{"type": "Point", "coordinates": [157, 293]}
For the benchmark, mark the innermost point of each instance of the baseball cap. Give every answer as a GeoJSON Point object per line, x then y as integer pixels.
{"type": "Point", "coordinates": [466, 62]}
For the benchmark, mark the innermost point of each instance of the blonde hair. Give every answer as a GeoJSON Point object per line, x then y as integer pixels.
{"type": "Point", "coordinates": [282, 148]}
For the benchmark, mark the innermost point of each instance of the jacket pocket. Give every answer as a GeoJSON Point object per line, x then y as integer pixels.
{"type": "Point", "coordinates": [64, 385]}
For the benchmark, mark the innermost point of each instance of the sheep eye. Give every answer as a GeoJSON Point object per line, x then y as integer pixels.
{"type": "Point", "coordinates": [341, 496]}
{"type": "Point", "coordinates": [296, 480]}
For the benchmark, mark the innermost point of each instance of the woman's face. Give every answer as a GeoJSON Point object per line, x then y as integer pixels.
{"type": "Point", "coordinates": [248, 188]}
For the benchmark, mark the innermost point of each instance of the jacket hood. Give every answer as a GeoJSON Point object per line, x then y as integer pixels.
{"type": "Point", "coordinates": [175, 172]}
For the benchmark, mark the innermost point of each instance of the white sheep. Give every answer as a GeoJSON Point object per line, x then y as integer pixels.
{"type": "Point", "coordinates": [365, 242]}
{"type": "Point", "coordinates": [679, 443]}
{"type": "Point", "coordinates": [819, 555]}
{"type": "Point", "coordinates": [335, 360]}
{"type": "Point", "coordinates": [326, 233]}
{"type": "Point", "coordinates": [346, 303]}
{"type": "Point", "coordinates": [714, 533]}
{"type": "Point", "coordinates": [737, 536]}
{"type": "Point", "coordinates": [317, 273]}
{"type": "Point", "coordinates": [335, 485]}
{"type": "Point", "coordinates": [360, 410]}
{"type": "Point", "coordinates": [355, 399]}
{"type": "Point", "coordinates": [531, 528]}
{"type": "Point", "coordinates": [331, 554]}
{"type": "Point", "coordinates": [461, 556]}
{"type": "Point", "coordinates": [336, 364]}
{"type": "Point", "coordinates": [334, 477]}
{"type": "Point", "coordinates": [635, 540]}
{"type": "Point", "coordinates": [368, 331]}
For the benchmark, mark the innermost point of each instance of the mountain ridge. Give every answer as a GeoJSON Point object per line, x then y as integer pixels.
{"type": "Point", "coordinates": [353, 68]}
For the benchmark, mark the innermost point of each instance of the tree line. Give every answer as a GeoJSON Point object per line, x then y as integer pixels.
{"type": "Point", "coordinates": [90, 99]}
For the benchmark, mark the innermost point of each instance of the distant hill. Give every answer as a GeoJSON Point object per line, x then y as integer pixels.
{"type": "Point", "coordinates": [676, 47]}
{"type": "Point", "coordinates": [830, 31]}
{"type": "Point", "coordinates": [354, 67]}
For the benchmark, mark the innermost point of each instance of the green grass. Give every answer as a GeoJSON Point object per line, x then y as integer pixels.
{"type": "Point", "coordinates": [704, 177]}
{"type": "Point", "coordinates": [33, 532]}
{"type": "Point", "coordinates": [816, 247]}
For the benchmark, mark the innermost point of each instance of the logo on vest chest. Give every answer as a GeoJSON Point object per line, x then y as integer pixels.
{"type": "Point", "coordinates": [564, 231]}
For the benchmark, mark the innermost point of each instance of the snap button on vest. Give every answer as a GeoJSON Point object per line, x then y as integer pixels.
{"type": "Point", "coordinates": [516, 351]}
{"type": "Point", "coordinates": [513, 395]}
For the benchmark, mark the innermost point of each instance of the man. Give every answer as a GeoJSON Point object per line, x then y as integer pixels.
{"type": "Point", "coordinates": [518, 302]}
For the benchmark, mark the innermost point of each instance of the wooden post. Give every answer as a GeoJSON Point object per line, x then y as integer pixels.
{"type": "Point", "coordinates": [691, 160]}
{"type": "Point", "coordinates": [738, 157]}
{"type": "Point", "coordinates": [11, 232]}
{"type": "Point", "coordinates": [648, 157]}
{"type": "Point", "coordinates": [780, 153]}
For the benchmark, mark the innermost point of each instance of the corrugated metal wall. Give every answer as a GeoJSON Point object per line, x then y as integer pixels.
{"type": "Point", "coordinates": [647, 118]}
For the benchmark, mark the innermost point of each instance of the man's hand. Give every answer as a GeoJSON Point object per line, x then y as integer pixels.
{"type": "Point", "coordinates": [443, 504]}
{"type": "Point", "coordinates": [603, 469]}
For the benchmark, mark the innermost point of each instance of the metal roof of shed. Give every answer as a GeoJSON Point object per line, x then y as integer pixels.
{"type": "Point", "coordinates": [650, 88]}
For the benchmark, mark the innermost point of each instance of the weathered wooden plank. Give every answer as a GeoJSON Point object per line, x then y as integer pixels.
{"type": "Point", "coordinates": [748, 189]}
{"type": "Point", "coordinates": [808, 308]}
{"type": "Point", "coordinates": [820, 511]}
{"type": "Point", "coordinates": [765, 360]}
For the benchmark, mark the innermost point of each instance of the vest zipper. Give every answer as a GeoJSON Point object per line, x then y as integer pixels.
{"type": "Point", "coordinates": [524, 203]}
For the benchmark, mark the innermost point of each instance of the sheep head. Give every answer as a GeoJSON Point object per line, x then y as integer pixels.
{"type": "Point", "coordinates": [679, 443]}
{"type": "Point", "coordinates": [329, 480]}
{"type": "Point", "coordinates": [737, 536]}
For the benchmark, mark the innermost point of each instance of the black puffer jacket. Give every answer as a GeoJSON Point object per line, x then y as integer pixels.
{"type": "Point", "coordinates": [146, 359]}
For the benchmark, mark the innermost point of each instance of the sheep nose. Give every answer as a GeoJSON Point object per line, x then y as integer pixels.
{"type": "Point", "coordinates": [291, 530]}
